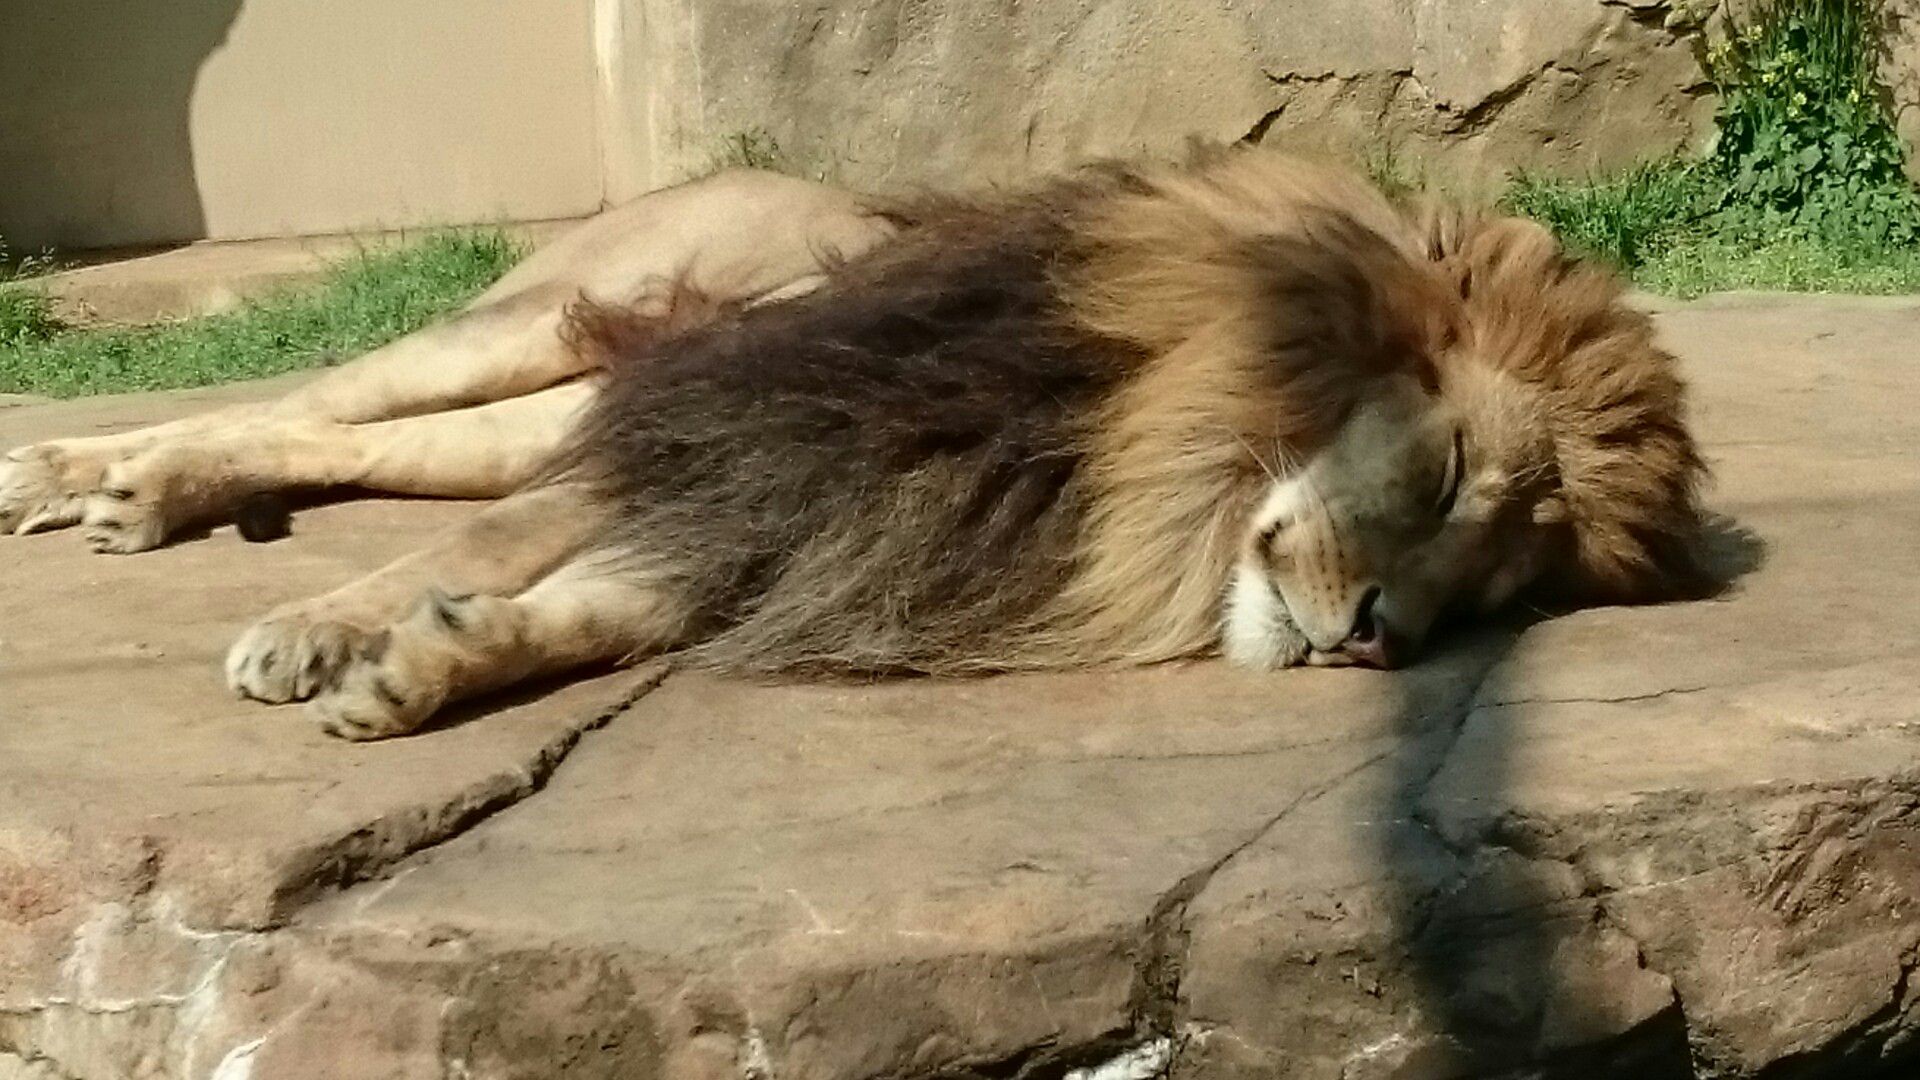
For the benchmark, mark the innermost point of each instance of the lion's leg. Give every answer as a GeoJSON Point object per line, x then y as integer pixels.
{"type": "Point", "coordinates": [485, 354]}
{"type": "Point", "coordinates": [479, 356]}
{"type": "Point", "coordinates": [44, 486]}
{"type": "Point", "coordinates": [299, 647]}
{"type": "Point", "coordinates": [597, 609]}
{"type": "Point", "coordinates": [492, 350]}
{"type": "Point", "coordinates": [482, 452]}
{"type": "Point", "coordinates": [733, 237]}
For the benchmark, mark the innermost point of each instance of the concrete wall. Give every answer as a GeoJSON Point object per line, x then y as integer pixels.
{"type": "Point", "coordinates": [128, 121]}
{"type": "Point", "coordinates": [135, 121]}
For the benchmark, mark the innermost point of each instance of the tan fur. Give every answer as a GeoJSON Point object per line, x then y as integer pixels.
{"type": "Point", "coordinates": [298, 649]}
{"type": "Point", "coordinates": [1282, 325]}
{"type": "Point", "coordinates": [483, 452]}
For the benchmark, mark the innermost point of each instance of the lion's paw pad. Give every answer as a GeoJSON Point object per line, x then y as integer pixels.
{"type": "Point", "coordinates": [397, 680]}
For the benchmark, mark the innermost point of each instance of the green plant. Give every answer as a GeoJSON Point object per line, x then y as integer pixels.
{"type": "Point", "coordinates": [25, 312]}
{"type": "Point", "coordinates": [1806, 143]}
{"type": "Point", "coordinates": [1803, 188]}
{"type": "Point", "coordinates": [1392, 173]}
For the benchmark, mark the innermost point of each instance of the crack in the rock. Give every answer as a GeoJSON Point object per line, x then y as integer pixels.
{"type": "Point", "coordinates": [1043, 1060]}
{"type": "Point", "coordinates": [1258, 132]}
{"type": "Point", "coordinates": [1303, 78]}
{"type": "Point", "coordinates": [1481, 114]}
{"type": "Point", "coordinates": [1155, 1002]}
{"type": "Point", "coordinates": [1269, 750]}
{"type": "Point", "coordinates": [1455, 120]}
{"type": "Point", "coordinates": [1620, 699]}
{"type": "Point", "coordinates": [1863, 1045]}
{"type": "Point", "coordinates": [1395, 79]}
{"type": "Point", "coordinates": [35, 1059]}
{"type": "Point", "coordinates": [377, 848]}
{"type": "Point", "coordinates": [1898, 997]}
{"type": "Point", "coordinates": [183, 1009]}
{"type": "Point", "coordinates": [1416, 798]}
{"type": "Point", "coordinates": [1860, 1050]}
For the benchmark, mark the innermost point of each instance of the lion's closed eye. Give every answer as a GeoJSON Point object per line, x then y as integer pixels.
{"type": "Point", "coordinates": [1450, 480]}
{"type": "Point", "coordinates": [1270, 535]}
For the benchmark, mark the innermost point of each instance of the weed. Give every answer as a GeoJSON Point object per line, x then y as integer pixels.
{"type": "Point", "coordinates": [1623, 220]}
{"type": "Point", "coordinates": [1392, 173]}
{"type": "Point", "coordinates": [1806, 144]}
{"type": "Point", "coordinates": [753, 149]}
{"type": "Point", "coordinates": [25, 313]}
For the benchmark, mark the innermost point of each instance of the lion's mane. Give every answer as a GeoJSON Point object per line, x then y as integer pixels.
{"type": "Point", "coordinates": [1028, 431]}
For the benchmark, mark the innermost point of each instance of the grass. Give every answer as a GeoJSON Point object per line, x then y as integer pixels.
{"type": "Point", "coordinates": [361, 303]}
{"type": "Point", "coordinates": [1624, 220]}
{"type": "Point", "coordinates": [751, 149]}
{"type": "Point", "coordinates": [1803, 190]}
{"type": "Point", "coordinates": [1666, 226]}
{"type": "Point", "coordinates": [1790, 264]}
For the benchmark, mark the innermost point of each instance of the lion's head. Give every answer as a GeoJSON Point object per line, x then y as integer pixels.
{"type": "Point", "coordinates": [1361, 417]}
{"type": "Point", "coordinates": [1536, 443]}
{"type": "Point", "coordinates": [1350, 556]}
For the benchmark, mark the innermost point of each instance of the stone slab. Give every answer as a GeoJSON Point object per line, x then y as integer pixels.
{"type": "Point", "coordinates": [1675, 840]}
{"type": "Point", "coordinates": [142, 808]}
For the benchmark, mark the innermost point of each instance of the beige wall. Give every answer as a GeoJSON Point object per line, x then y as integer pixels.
{"type": "Point", "coordinates": [129, 121]}
{"type": "Point", "coordinates": [134, 121]}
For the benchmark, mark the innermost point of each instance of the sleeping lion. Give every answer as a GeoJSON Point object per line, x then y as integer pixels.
{"type": "Point", "coordinates": [1246, 405]}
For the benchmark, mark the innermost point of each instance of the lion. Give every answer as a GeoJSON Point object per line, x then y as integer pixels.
{"type": "Point", "coordinates": [1243, 405]}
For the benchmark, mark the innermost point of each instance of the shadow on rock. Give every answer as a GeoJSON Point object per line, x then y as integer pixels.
{"type": "Point", "coordinates": [1515, 964]}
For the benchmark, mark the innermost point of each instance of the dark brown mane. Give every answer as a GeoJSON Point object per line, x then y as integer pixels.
{"type": "Point", "coordinates": [882, 475]}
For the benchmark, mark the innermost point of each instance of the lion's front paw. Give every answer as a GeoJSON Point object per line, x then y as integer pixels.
{"type": "Point", "coordinates": [128, 496]}
{"type": "Point", "coordinates": [38, 490]}
{"type": "Point", "coordinates": [384, 691]}
{"type": "Point", "coordinates": [397, 680]}
{"type": "Point", "coordinates": [290, 657]}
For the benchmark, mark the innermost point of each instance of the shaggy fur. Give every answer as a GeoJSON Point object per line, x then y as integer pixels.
{"type": "Point", "coordinates": [1622, 471]}
{"type": "Point", "coordinates": [884, 474]}
{"type": "Point", "coordinates": [1031, 430]}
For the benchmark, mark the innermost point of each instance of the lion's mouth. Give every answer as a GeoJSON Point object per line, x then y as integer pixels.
{"type": "Point", "coordinates": [1290, 646]}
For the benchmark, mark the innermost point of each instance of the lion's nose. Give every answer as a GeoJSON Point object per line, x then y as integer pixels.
{"type": "Point", "coordinates": [1369, 644]}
